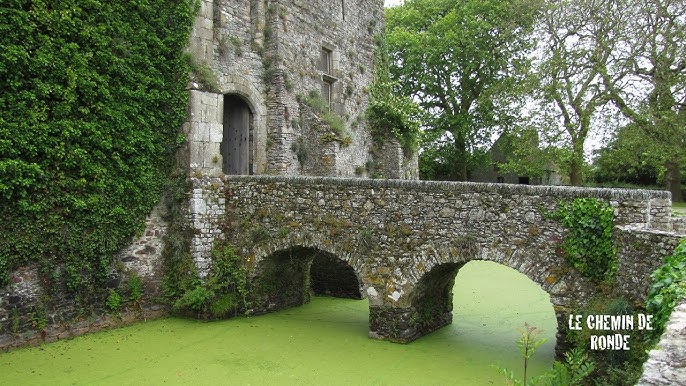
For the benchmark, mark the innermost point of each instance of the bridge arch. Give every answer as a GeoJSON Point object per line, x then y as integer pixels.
{"type": "Point", "coordinates": [290, 276]}
{"type": "Point", "coordinates": [429, 304]}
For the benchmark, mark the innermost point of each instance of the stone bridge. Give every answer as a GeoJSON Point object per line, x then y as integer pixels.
{"type": "Point", "coordinates": [401, 243]}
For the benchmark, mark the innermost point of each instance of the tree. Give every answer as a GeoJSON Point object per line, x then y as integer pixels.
{"type": "Point", "coordinates": [462, 61]}
{"type": "Point", "coordinates": [651, 65]}
{"type": "Point", "coordinates": [527, 156]}
{"type": "Point", "coordinates": [576, 37]}
{"type": "Point", "coordinates": [629, 158]}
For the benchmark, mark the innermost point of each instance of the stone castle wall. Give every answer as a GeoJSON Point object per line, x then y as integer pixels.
{"type": "Point", "coordinates": [270, 54]}
{"type": "Point", "coordinates": [666, 364]}
{"type": "Point", "coordinates": [28, 317]}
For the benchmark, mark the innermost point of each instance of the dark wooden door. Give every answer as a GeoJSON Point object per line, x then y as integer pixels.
{"type": "Point", "coordinates": [235, 146]}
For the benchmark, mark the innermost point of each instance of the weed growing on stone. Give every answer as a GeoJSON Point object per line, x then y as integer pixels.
{"type": "Point", "coordinates": [588, 245]}
{"type": "Point", "coordinates": [113, 301]}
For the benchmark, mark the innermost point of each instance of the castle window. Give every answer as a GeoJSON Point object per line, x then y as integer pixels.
{"type": "Point", "coordinates": [326, 61]}
{"type": "Point", "coordinates": [327, 87]}
{"type": "Point", "coordinates": [343, 9]}
{"type": "Point", "coordinates": [326, 66]}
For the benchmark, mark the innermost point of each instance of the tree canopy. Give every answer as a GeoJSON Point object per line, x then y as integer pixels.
{"type": "Point", "coordinates": [647, 80]}
{"type": "Point", "coordinates": [462, 61]}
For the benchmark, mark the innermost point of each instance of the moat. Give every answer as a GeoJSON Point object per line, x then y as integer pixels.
{"type": "Point", "coordinates": [323, 342]}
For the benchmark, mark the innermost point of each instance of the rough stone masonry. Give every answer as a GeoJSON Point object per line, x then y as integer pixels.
{"type": "Point", "coordinates": [406, 240]}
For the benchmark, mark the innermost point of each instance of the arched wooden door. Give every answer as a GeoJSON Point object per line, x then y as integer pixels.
{"type": "Point", "coordinates": [236, 142]}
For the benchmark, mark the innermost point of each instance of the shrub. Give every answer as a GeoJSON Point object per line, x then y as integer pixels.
{"type": "Point", "coordinates": [668, 288]}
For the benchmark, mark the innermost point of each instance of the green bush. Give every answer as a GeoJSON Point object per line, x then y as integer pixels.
{"type": "Point", "coordinates": [113, 301]}
{"type": "Point", "coordinates": [668, 288]}
{"type": "Point", "coordinates": [93, 96]}
{"type": "Point", "coordinates": [390, 114]}
{"type": "Point", "coordinates": [224, 291]}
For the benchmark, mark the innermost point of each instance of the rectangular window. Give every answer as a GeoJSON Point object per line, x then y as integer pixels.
{"type": "Point", "coordinates": [326, 66]}
{"type": "Point", "coordinates": [326, 61]}
{"type": "Point", "coordinates": [327, 88]}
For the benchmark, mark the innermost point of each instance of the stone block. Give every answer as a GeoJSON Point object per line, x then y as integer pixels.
{"type": "Point", "coordinates": [198, 132]}
{"type": "Point", "coordinates": [216, 132]}
{"type": "Point", "coordinates": [195, 104]}
{"type": "Point", "coordinates": [197, 154]}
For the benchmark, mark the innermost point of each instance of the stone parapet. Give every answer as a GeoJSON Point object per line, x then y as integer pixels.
{"type": "Point", "coordinates": [666, 364]}
{"type": "Point", "coordinates": [641, 251]}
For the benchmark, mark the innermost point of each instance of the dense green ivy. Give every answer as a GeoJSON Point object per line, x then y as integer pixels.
{"type": "Point", "coordinates": [588, 245]}
{"type": "Point", "coordinates": [389, 113]}
{"type": "Point", "coordinates": [91, 100]}
{"type": "Point", "coordinates": [668, 288]}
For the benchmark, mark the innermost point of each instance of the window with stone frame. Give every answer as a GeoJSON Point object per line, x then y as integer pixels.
{"type": "Point", "coordinates": [326, 66]}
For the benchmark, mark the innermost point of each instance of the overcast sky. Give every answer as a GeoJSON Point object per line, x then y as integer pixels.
{"type": "Point", "coordinates": [389, 3]}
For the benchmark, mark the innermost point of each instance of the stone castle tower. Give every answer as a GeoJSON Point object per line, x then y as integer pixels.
{"type": "Point", "coordinates": [281, 87]}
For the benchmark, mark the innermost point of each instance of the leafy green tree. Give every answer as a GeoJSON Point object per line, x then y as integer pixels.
{"type": "Point", "coordinates": [647, 79]}
{"type": "Point", "coordinates": [575, 37]}
{"type": "Point", "coordinates": [629, 158]}
{"type": "Point", "coordinates": [463, 61]}
{"type": "Point", "coordinates": [526, 155]}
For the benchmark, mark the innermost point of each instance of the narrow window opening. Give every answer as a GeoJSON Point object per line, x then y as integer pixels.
{"type": "Point", "coordinates": [328, 79]}
{"type": "Point", "coordinates": [326, 61]}
{"type": "Point", "coordinates": [343, 9]}
{"type": "Point", "coordinates": [327, 86]}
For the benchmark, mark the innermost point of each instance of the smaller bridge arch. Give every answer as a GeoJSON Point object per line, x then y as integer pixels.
{"type": "Point", "coordinates": [290, 277]}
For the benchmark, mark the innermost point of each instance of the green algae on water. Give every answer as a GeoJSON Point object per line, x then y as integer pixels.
{"type": "Point", "coordinates": [323, 342]}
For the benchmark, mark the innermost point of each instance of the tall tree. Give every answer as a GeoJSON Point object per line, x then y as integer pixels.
{"type": "Point", "coordinates": [651, 64]}
{"type": "Point", "coordinates": [575, 37]}
{"type": "Point", "coordinates": [463, 61]}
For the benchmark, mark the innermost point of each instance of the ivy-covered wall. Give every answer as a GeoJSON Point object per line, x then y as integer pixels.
{"type": "Point", "coordinates": [93, 94]}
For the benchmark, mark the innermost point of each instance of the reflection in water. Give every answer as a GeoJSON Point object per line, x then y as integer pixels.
{"type": "Point", "coordinates": [324, 342]}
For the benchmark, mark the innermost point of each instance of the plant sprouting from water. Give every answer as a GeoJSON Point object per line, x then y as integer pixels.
{"type": "Point", "coordinates": [572, 371]}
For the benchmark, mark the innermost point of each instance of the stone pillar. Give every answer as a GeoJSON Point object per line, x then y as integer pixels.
{"type": "Point", "coordinates": [206, 211]}
{"type": "Point", "coordinates": [204, 131]}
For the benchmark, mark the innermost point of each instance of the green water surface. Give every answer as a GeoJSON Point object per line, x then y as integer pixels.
{"type": "Point", "coordinates": [322, 343]}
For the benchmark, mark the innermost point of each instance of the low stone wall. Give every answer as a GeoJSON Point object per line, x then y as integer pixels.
{"type": "Point", "coordinates": [666, 364]}
{"type": "Point", "coordinates": [28, 316]}
{"type": "Point", "coordinates": [679, 224]}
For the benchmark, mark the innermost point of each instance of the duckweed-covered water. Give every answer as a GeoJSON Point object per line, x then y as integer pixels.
{"type": "Point", "coordinates": [323, 343]}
